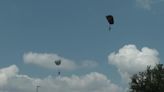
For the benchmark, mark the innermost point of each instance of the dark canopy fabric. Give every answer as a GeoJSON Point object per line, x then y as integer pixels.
{"type": "Point", "coordinates": [110, 19]}
{"type": "Point", "coordinates": [58, 62]}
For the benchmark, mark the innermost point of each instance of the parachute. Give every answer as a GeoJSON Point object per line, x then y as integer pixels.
{"type": "Point", "coordinates": [58, 62]}
{"type": "Point", "coordinates": [110, 20]}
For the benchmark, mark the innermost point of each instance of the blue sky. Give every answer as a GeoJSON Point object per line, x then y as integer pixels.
{"type": "Point", "coordinates": [77, 31]}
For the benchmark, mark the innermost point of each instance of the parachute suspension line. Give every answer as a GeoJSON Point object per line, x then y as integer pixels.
{"type": "Point", "coordinates": [109, 28]}
{"type": "Point", "coordinates": [58, 72]}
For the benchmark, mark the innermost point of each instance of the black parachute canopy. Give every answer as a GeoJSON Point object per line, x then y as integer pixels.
{"type": "Point", "coordinates": [110, 19]}
{"type": "Point", "coordinates": [57, 62]}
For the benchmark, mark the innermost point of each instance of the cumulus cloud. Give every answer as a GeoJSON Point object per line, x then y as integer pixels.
{"type": "Point", "coordinates": [92, 82]}
{"type": "Point", "coordinates": [6, 73]}
{"type": "Point", "coordinates": [130, 60]}
{"type": "Point", "coordinates": [46, 60]}
{"type": "Point", "coordinates": [89, 63]}
{"type": "Point", "coordinates": [147, 4]}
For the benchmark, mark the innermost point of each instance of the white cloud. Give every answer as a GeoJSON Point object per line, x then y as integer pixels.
{"type": "Point", "coordinates": [130, 60]}
{"type": "Point", "coordinates": [92, 82]}
{"type": "Point", "coordinates": [46, 60]}
{"type": "Point", "coordinates": [6, 73]}
{"type": "Point", "coordinates": [89, 63]}
{"type": "Point", "coordinates": [147, 4]}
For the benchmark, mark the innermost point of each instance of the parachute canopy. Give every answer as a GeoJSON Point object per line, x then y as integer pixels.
{"type": "Point", "coordinates": [110, 19]}
{"type": "Point", "coordinates": [57, 62]}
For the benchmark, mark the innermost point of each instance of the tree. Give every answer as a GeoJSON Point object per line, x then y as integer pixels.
{"type": "Point", "coordinates": [151, 80]}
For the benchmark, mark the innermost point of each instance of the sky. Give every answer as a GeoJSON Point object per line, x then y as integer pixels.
{"type": "Point", "coordinates": [35, 33]}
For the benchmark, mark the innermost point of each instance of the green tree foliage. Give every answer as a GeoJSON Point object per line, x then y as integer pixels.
{"type": "Point", "coordinates": [151, 80]}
